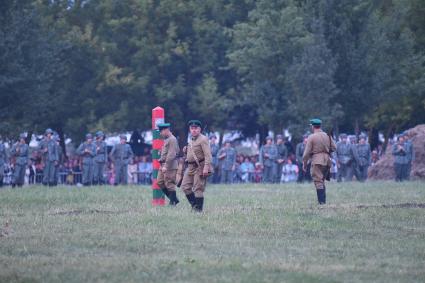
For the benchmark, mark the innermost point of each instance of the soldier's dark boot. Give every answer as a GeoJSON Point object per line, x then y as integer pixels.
{"type": "Point", "coordinates": [199, 204]}
{"type": "Point", "coordinates": [321, 196]}
{"type": "Point", "coordinates": [173, 198]}
{"type": "Point", "coordinates": [191, 198]}
{"type": "Point", "coordinates": [165, 191]}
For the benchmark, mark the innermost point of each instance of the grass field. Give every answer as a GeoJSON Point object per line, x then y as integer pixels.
{"type": "Point", "coordinates": [372, 232]}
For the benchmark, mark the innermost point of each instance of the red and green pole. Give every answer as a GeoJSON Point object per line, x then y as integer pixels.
{"type": "Point", "coordinates": [157, 118]}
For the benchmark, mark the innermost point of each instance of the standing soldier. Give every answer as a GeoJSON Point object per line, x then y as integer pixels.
{"type": "Point", "coordinates": [214, 152]}
{"type": "Point", "coordinates": [3, 160]}
{"type": "Point", "coordinates": [227, 157]}
{"type": "Point", "coordinates": [121, 155]}
{"type": "Point", "coordinates": [61, 159]}
{"type": "Point", "coordinates": [400, 153]}
{"type": "Point", "coordinates": [282, 156]}
{"type": "Point", "coordinates": [344, 158]}
{"type": "Point", "coordinates": [50, 153]}
{"type": "Point", "coordinates": [168, 171]}
{"type": "Point", "coordinates": [21, 153]}
{"type": "Point", "coordinates": [318, 149]}
{"type": "Point", "coordinates": [198, 157]}
{"type": "Point", "coordinates": [365, 158]}
{"type": "Point", "coordinates": [87, 151]}
{"type": "Point", "coordinates": [268, 156]}
{"type": "Point", "coordinates": [410, 156]}
{"type": "Point", "coordinates": [100, 159]}
{"type": "Point", "coordinates": [355, 159]}
{"type": "Point", "coordinates": [299, 152]}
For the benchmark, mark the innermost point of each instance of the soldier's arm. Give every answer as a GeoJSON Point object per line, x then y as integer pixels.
{"type": "Point", "coordinates": [171, 153]}
{"type": "Point", "coordinates": [307, 151]}
{"type": "Point", "coordinates": [111, 155]}
{"type": "Point", "coordinates": [164, 152]}
{"type": "Point", "coordinates": [207, 152]}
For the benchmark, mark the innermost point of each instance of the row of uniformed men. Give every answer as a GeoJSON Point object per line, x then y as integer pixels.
{"type": "Point", "coordinates": [94, 155]}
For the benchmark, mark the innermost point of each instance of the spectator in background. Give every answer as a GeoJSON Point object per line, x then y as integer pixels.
{"type": "Point", "coordinates": [132, 171]}
{"type": "Point", "coordinates": [258, 173]}
{"type": "Point", "coordinates": [289, 172]}
{"type": "Point", "coordinates": [247, 170]}
{"type": "Point", "coordinates": [144, 170]}
{"type": "Point", "coordinates": [268, 156]}
{"type": "Point", "coordinates": [227, 157]}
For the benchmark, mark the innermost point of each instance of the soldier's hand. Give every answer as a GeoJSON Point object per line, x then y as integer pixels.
{"type": "Point", "coordinates": [163, 169]}
{"type": "Point", "coordinates": [205, 172]}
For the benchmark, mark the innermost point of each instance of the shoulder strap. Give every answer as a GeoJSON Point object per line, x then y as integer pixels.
{"type": "Point", "coordinates": [194, 155]}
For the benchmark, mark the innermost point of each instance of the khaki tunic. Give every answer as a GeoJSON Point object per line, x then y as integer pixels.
{"type": "Point", "coordinates": [168, 159]}
{"type": "Point", "coordinates": [318, 149]}
{"type": "Point", "coordinates": [193, 180]}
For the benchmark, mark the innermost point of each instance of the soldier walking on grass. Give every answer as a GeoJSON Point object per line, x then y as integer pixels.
{"type": "Point", "coordinates": [268, 156]}
{"type": "Point", "coordinates": [121, 155]}
{"type": "Point", "coordinates": [100, 159]}
{"type": "Point", "coordinates": [227, 157]}
{"type": "Point", "coordinates": [169, 163]}
{"type": "Point", "coordinates": [365, 158]}
{"type": "Point", "coordinates": [318, 149]}
{"type": "Point", "coordinates": [87, 150]}
{"type": "Point", "coordinates": [50, 152]}
{"type": "Point", "coordinates": [20, 151]}
{"type": "Point", "coordinates": [198, 158]}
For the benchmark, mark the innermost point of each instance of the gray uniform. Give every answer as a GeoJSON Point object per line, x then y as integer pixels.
{"type": "Point", "coordinates": [401, 160]}
{"type": "Point", "coordinates": [227, 164]}
{"type": "Point", "coordinates": [268, 163]}
{"type": "Point", "coordinates": [50, 151]}
{"type": "Point", "coordinates": [87, 151]}
{"type": "Point", "coordinates": [410, 157]}
{"type": "Point", "coordinates": [21, 153]}
{"type": "Point", "coordinates": [282, 153]}
{"type": "Point", "coordinates": [365, 160]}
{"type": "Point", "coordinates": [121, 155]}
{"type": "Point", "coordinates": [3, 162]}
{"type": "Point", "coordinates": [299, 152]}
{"type": "Point", "coordinates": [100, 160]}
{"type": "Point", "coordinates": [345, 157]}
{"type": "Point", "coordinates": [215, 163]}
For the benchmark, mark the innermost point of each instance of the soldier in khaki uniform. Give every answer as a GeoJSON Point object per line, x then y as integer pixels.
{"type": "Point", "coordinates": [318, 149]}
{"type": "Point", "coordinates": [168, 171]}
{"type": "Point", "coordinates": [198, 158]}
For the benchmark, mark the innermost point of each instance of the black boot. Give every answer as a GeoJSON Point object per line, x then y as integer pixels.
{"type": "Point", "coordinates": [165, 191]}
{"type": "Point", "coordinates": [191, 198]}
{"type": "Point", "coordinates": [199, 204]}
{"type": "Point", "coordinates": [173, 198]}
{"type": "Point", "coordinates": [321, 196]}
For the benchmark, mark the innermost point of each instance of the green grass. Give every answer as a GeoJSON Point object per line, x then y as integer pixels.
{"type": "Point", "coordinates": [248, 233]}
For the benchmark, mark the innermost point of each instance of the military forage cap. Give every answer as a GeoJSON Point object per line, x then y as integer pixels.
{"type": "Point", "coordinates": [315, 122]}
{"type": "Point", "coordinates": [100, 134]}
{"type": "Point", "coordinates": [22, 136]}
{"type": "Point", "coordinates": [195, 123]}
{"type": "Point", "coordinates": [162, 126]}
{"type": "Point", "coordinates": [49, 131]}
{"type": "Point", "coordinates": [123, 137]}
{"type": "Point", "coordinates": [89, 136]}
{"type": "Point", "coordinates": [343, 136]}
{"type": "Point", "coordinates": [269, 138]}
{"type": "Point", "coordinates": [213, 136]}
{"type": "Point", "coordinates": [279, 137]}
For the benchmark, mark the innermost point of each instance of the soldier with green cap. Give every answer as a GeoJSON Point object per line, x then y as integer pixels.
{"type": "Point", "coordinates": [87, 151]}
{"type": "Point", "coordinates": [227, 157]}
{"type": "Point", "coordinates": [364, 158]}
{"type": "Point", "coordinates": [50, 155]}
{"type": "Point", "coordinates": [121, 154]}
{"type": "Point", "coordinates": [100, 159]}
{"type": "Point", "coordinates": [282, 156]}
{"type": "Point", "coordinates": [268, 156]}
{"type": "Point", "coordinates": [168, 171]}
{"type": "Point", "coordinates": [3, 160]}
{"type": "Point", "coordinates": [198, 158]}
{"type": "Point", "coordinates": [20, 151]}
{"type": "Point", "coordinates": [318, 150]}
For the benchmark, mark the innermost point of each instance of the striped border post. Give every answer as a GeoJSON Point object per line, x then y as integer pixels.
{"type": "Point", "coordinates": [157, 118]}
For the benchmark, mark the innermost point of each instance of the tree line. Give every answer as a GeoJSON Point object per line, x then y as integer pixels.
{"type": "Point", "coordinates": [86, 65]}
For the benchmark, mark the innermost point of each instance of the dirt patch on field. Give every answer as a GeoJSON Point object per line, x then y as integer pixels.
{"type": "Point", "coordinates": [384, 168]}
